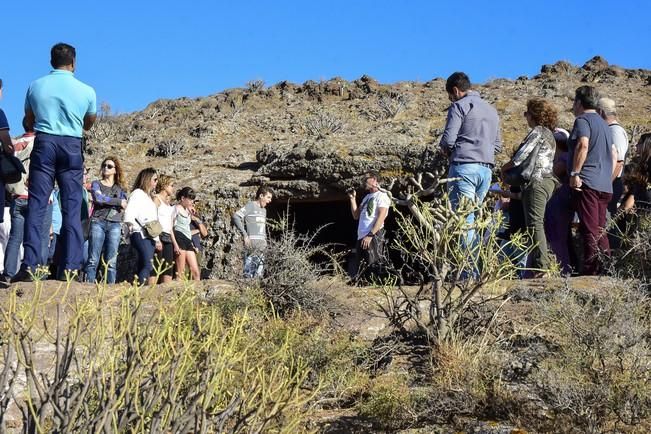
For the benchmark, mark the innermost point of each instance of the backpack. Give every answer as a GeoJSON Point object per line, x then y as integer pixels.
{"type": "Point", "coordinates": [23, 155]}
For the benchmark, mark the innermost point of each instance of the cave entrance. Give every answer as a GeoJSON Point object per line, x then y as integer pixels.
{"type": "Point", "coordinates": [338, 228]}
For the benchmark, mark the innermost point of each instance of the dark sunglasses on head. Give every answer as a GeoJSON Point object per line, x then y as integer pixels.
{"type": "Point", "coordinates": [108, 166]}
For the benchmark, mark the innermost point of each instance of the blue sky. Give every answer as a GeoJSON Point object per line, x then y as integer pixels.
{"type": "Point", "coordinates": [135, 52]}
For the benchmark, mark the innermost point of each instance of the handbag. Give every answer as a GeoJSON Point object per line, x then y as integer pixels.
{"type": "Point", "coordinates": [521, 174]}
{"type": "Point", "coordinates": [151, 229]}
{"type": "Point", "coordinates": [165, 238]}
{"type": "Point", "coordinates": [11, 169]}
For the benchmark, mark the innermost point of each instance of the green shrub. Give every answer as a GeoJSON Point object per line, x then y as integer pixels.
{"type": "Point", "coordinates": [600, 374]}
{"type": "Point", "coordinates": [141, 362]}
{"type": "Point", "coordinates": [388, 402]}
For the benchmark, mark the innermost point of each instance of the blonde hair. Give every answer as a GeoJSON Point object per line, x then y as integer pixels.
{"type": "Point", "coordinates": [163, 182]}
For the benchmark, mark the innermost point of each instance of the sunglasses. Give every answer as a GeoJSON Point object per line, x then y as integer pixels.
{"type": "Point", "coordinates": [108, 166]}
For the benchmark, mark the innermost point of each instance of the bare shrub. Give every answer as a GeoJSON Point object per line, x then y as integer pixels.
{"type": "Point", "coordinates": [138, 363]}
{"type": "Point", "coordinates": [290, 269]}
{"type": "Point", "coordinates": [633, 259]}
{"type": "Point", "coordinates": [322, 124]}
{"type": "Point", "coordinates": [600, 375]}
{"type": "Point", "coordinates": [167, 148]}
{"type": "Point", "coordinates": [392, 104]}
{"type": "Point", "coordinates": [254, 86]}
{"type": "Point", "coordinates": [106, 126]}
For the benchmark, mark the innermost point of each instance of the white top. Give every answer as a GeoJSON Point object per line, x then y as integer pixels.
{"type": "Point", "coordinates": [369, 210]}
{"type": "Point", "coordinates": [165, 216]}
{"type": "Point", "coordinates": [141, 207]}
{"type": "Point", "coordinates": [620, 142]}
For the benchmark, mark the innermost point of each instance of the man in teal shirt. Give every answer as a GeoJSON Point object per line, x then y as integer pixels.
{"type": "Point", "coordinates": [58, 107]}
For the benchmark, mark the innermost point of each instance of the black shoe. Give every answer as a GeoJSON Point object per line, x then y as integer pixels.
{"type": "Point", "coordinates": [23, 275]}
{"type": "Point", "coordinates": [73, 274]}
{"type": "Point", "coordinates": [4, 279]}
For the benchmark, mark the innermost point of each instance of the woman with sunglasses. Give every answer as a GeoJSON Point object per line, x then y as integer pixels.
{"type": "Point", "coordinates": [110, 201]}
{"type": "Point", "coordinates": [141, 210]}
{"type": "Point", "coordinates": [182, 234]}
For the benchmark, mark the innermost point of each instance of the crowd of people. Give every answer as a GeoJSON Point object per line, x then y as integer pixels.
{"type": "Point", "coordinates": [68, 227]}
{"type": "Point", "coordinates": [555, 179]}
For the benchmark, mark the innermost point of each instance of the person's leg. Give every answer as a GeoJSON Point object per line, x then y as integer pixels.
{"type": "Point", "coordinates": [534, 198]}
{"type": "Point", "coordinates": [558, 223]}
{"type": "Point", "coordinates": [45, 234]}
{"type": "Point", "coordinates": [95, 245]}
{"type": "Point", "coordinates": [70, 178]}
{"type": "Point", "coordinates": [145, 249]}
{"type": "Point", "coordinates": [603, 241]}
{"type": "Point", "coordinates": [180, 265]}
{"type": "Point", "coordinates": [111, 245]}
{"type": "Point", "coordinates": [587, 206]}
{"type": "Point", "coordinates": [247, 270]}
{"type": "Point", "coordinates": [43, 161]}
{"type": "Point", "coordinates": [167, 256]}
{"type": "Point", "coordinates": [12, 253]}
{"type": "Point", "coordinates": [193, 265]}
{"type": "Point", "coordinates": [472, 184]}
{"type": "Point", "coordinates": [259, 271]}
{"type": "Point", "coordinates": [52, 248]}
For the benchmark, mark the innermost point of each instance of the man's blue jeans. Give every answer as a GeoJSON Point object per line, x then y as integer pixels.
{"type": "Point", "coordinates": [60, 158]}
{"type": "Point", "coordinates": [103, 242]}
{"type": "Point", "coordinates": [18, 216]}
{"type": "Point", "coordinates": [253, 265]}
{"type": "Point", "coordinates": [473, 184]}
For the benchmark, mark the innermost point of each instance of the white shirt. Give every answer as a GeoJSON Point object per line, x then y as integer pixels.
{"type": "Point", "coordinates": [165, 212]}
{"type": "Point", "coordinates": [140, 207]}
{"type": "Point", "coordinates": [620, 142]}
{"type": "Point", "coordinates": [369, 210]}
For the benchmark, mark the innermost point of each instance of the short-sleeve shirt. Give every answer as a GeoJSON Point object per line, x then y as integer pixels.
{"type": "Point", "coordinates": [4, 125]}
{"type": "Point", "coordinates": [59, 102]}
{"type": "Point", "coordinates": [620, 141]}
{"type": "Point", "coordinates": [598, 166]}
{"type": "Point", "coordinates": [369, 210]}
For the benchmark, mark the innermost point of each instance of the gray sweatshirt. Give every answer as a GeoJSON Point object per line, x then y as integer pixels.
{"type": "Point", "coordinates": [251, 220]}
{"type": "Point", "coordinates": [472, 131]}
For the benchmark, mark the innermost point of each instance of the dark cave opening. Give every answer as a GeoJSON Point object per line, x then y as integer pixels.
{"type": "Point", "coordinates": [338, 228]}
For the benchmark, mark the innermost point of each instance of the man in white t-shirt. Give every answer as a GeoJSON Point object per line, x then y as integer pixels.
{"type": "Point", "coordinates": [371, 213]}
{"type": "Point", "coordinates": [608, 112]}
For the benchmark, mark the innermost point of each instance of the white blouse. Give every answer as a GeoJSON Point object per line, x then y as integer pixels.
{"type": "Point", "coordinates": [140, 208]}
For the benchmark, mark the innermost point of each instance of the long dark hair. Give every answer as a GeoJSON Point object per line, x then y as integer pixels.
{"type": "Point", "coordinates": [185, 192]}
{"type": "Point", "coordinates": [642, 168]}
{"type": "Point", "coordinates": [118, 178]}
{"type": "Point", "coordinates": [143, 180]}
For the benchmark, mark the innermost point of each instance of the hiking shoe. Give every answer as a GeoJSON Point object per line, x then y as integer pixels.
{"type": "Point", "coordinates": [23, 275]}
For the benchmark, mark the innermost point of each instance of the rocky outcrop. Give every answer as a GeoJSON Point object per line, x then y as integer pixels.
{"type": "Point", "coordinates": [312, 141]}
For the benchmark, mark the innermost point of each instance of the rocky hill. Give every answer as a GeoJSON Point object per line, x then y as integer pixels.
{"type": "Point", "coordinates": [312, 141]}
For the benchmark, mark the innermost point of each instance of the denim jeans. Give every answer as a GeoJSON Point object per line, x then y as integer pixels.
{"type": "Point", "coordinates": [103, 242]}
{"type": "Point", "coordinates": [55, 158]}
{"type": "Point", "coordinates": [18, 212]}
{"type": "Point", "coordinates": [145, 248]}
{"type": "Point", "coordinates": [473, 184]}
{"type": "Point", "coordinates": [253, 265]}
